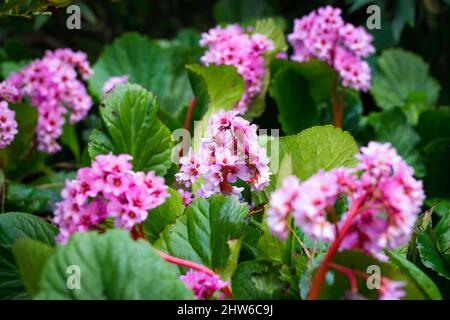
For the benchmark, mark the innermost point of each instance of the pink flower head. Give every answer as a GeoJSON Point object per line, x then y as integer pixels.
{"type": "Point", "coordinates": [112, 82]}
{"type": "Point", "coordinates": [231, 45]}
{"type": "Point", "coordinates": [186, 196]}
{"type": "Point", "coordinates": [324, 35]}
{"type": "Point", "coordinates": [8, 125]}
{"type": "Point", "coordinates": [203, 285]}
{"type": "Point", "coordinates": [230, 152]}
{"type": "Point", "coordinates": [53, 88]}
{"type": "Point", "coordinates": [392, 200]}
{"type": "Point", "coordinates": [109, 188]}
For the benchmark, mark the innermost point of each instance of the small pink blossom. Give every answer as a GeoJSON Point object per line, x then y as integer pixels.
{"type": "Point", "coordinates": [8, 125]}
{"type": "Point", "coordinates": [203, 285]}
{"type": "Point", "coordinates": [112, 82]}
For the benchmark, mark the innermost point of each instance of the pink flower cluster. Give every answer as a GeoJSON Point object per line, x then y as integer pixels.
{"type": "Point", "coordinates": [8, 125]}
{"type": "Point", "coordinates": [204, 285]}
{"type": "Point", "coordinates": [382, 187]}
{"type": "Point", "coordinates": [231, 45]}
{"type": "Point", "coordinates": [53, 88]}
{"type": "Point", "coordinates": [324, 35]}
{"type": "Point", "coordinates": [109, 188]}
{"type": "Point", "coordinates": [112, 82]}
{"type": "Point", "coordinates": [186, 196]}
{"type": "Point", "coordinates": [229, 152]}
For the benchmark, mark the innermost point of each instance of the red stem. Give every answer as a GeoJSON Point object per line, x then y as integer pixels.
{"type": "Point", "coordinates": [323, 269]}
{"type": "Point", "coordinates": [224, 186]}
{"type": "Point", "coordinates": [195, 266]}
{"type": "Point", "coordinates": [349, 273]}
{"type": "Point", "coordinates": [190, 114]}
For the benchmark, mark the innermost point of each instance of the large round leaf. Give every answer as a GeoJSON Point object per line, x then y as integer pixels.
{"type": "Point", "coordinates": [110, 266]}
{"type": "Point", "coordinates": [130, 125]}
{"type": "Point", "coordinates": [324, 147]}
{"type": "Point", "coordinates": [402, 74]}
{"type": "Point", "coordinates": [157, 67]}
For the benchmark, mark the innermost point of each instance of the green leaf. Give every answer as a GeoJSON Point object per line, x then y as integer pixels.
{"type": "Point", "coordinates": [130, 125]}
{"type": "Point", "coordinates": [442, 231]}
{"type": "Point", "coordinates": [216, 87]}
{"type": "Point", "coordinates": [257, 280]}
{"type": "Point", "coordinates": [338, 287]}
{"type": "Point", "coordinates": [31, 256]}
{"type": "Point", "coordinates": [69, 138]}
{"type": "Point", "coordinates": [431, 258]}
{"type": "Point", "coordinates": [27, 198]}
{"type": "Point", "coordinates": [421, 280]}
{"type": "Point", "coordinates": [401, 74]}
{"type": "Point", "coordinates": [390, 126]}
{"type": "Point", "coordinates": [15, 226]}
{"type": "Point", "coordinates": [433, 124]}
{"type": "Point", "coordinates": [321, 147]}
{"type": "Point", "coordinates": [158, 67]}
{"type": "Point", "coordinates": [9, 67]}
{"type": "Point", "coordinates": [437, 180]}
{"type": "Point", "coordinates": [298, 90]}
{"type": "Point", "coordinates": [111, 266]}
{"type": "Point", "coordinates": [26, 117]}
{"type": "Point", "coordinates": [204, 232]}
{"type": "Point", "coordinates": [163, 215]}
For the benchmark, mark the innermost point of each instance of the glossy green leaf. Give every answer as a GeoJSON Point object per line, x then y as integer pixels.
{"type": "Point", "coordinates": [304, 154]}
{"type": "Point", "coordinates": [163, 215]}
{"type": "Point", "coordinates": [109, 266]}
{"type": "Point", "coordinates": [216, 87]}
{"type": "Point", "coordinates": [401, 74]}
{"type": "Point", "coordinates": [257, 280]}
{"type": "Point", "coordinates": [204, 232]}
{"type": "Point", "coordinates": [15, 226]}
{"type": "Point", "coordinates": [421, 280]}
{"type": "Point", "coordinates": [434, 124]}
{"type": "Point", "coordinates": [158, 67]}
{"type": "Point", "coordinates": [430, 255]}
{"type": "Point", "coordinates": [31, 256]}
{"type": "Point", "coordinates": [130, 125]}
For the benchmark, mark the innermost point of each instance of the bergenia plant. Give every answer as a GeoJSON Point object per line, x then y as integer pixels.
{"type": "Point", "coordinates": [383, 200]}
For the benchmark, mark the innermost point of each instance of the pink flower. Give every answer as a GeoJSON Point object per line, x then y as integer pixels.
{"type": "Point", "coordinates": [112, 82]}
{"type": "Point", "coordinates": [230, 152]}
{"type": "Point", "coordinates": [109, 188]}
{"type": "Point", "coordinates": [231, 45]}
{"type": "Point", "coordinates": [203, 285]}
{"type": "Point", "coordinates": [186, 196]}
{"type": "Point", "coordinates": [53, 88]}
{"type": "Point", "coordinates": [392, 201]}
{"type": "Point", "coordinates": [324, 35]}
{"type": "Point", "coordinates": [8, 125]}
{"type": "Point", "coordinates": [391, 290]}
